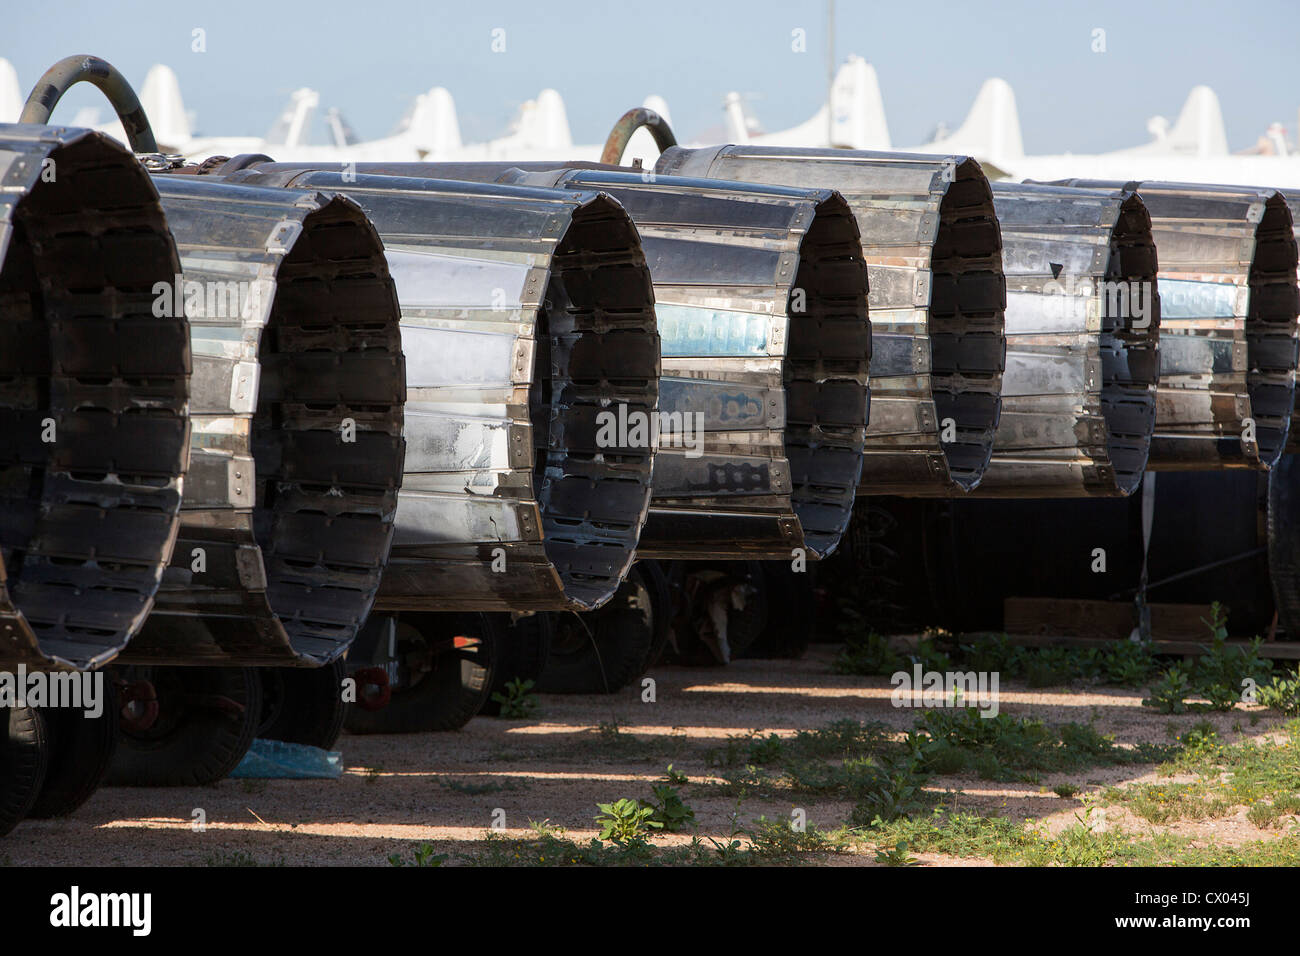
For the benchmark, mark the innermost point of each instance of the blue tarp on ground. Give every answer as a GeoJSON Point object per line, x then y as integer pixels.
{"type": "Point", "coordinates": [277, 760]}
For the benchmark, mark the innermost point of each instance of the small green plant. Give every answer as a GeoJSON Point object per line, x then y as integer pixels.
{"type": "Point", "coordinates": [625, 822]}
{"type": "Point", "coordinates": [1282, 695]}
{"type": "Point", "coordinates": [869, 655]}
{"type": "Point", "coordinates": [1263, 815]}
{"type": "Point", "coordinates": [675, 777]}
{"type": "Point", "coordinates": [422, 855]}
{"type": "Point", "coordinates": [766, 750]}
{"type": "Point", "coordinates": [668, 809]}
{"type": "Point", "coordinates": [1201, 737]}
{"type": "Point", "coordinates": [1065, 790]}
{"type": "Point", "coordinates": [779, 841]}
{"type": "Point", "coordinates": [518, 701]}
{"type": "Point", "coordinates": [1169, 694]}
{"type": "Point", "coordinates": [895, 855]}
{"type": "Point", "coordinates": [731, 852]}
{"type": "Point", "coordinates": [892, 790]}
{"type": "Point", "coordinates": [1078, 845]}
{"type": "Point", "coordinates": [1220, 674]}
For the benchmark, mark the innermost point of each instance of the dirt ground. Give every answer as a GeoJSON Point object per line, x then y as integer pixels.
{"type": "Point", "coordinates": [399, 792]}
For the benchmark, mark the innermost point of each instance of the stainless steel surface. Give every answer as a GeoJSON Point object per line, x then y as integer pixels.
{"type": "Point", "coordinates": [297, 416]}
{"type": "Point", "coordinates": [761, 297]}
{"type": "Point", "coordinates": [94, 391]}
{"type": "Point", "coordinates": [937, 297]}
{"type": "Point", "coordinates": [525, 314]}
{"type": "Point", "coordinates": [1228, 324]}
{"type": "Point", "coordinates": [1083, 320]}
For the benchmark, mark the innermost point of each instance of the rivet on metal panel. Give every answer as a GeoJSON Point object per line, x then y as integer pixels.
{"type": "Point", "coordinates": [243, 386]}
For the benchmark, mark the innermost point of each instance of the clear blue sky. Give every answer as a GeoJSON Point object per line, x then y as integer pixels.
{"type": "Point", "coordinates": [371, 57]}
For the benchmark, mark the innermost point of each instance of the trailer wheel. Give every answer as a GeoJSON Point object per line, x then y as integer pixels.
{"type": "Point", "coordinates": [522, 654]}
{"type": "Point", "coordinates": [661, 607]}
{"type": "Point", "coordinates": [81, 751]}
{"type": "Point", "coordinates": [24, 752]}
{"type": "Point", "coordinates": [444, 664]}
{"type": "Point", "coordinates": [602, 651]}
{"type": "Point", "coordinates": [303, 705]}
{"type": "Point", "coordinates": [791, 618]}
{"type": "Point", "coordinates": [199, 731]}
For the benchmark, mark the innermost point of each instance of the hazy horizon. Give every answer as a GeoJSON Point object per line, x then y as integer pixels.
{"type": "Point", "coordinates": [371, 61]}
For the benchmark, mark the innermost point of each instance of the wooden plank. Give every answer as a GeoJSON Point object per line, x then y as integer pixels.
{"type": "Point", "coordinates": [1102, 620]}
{"type": "Point", "coordinates": [1277, 650]}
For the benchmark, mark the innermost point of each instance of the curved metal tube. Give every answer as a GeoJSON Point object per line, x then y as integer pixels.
{"type": "Point", "coordinates": [760, 293]}
{"type": "Point", "coordinates": [94, 392]}
{"type": "Point", "coordinates": [1083, 320]}
{"type": "Point", "coordinates": [59, 78]}
{"type": "Point", "coordinates": [297, 458]}
{"type": "Point", "coordinates": [1228, 328]}
{"type": "Point", "coordinates": [526, 313]}
{"type": "Point", "coordinates": [934, 258]}
{"type": "Point", "coordinates": [629, 123]}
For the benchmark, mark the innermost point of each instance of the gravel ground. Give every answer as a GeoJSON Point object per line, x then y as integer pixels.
{"type": "Point", "coordinates": [401, 791]}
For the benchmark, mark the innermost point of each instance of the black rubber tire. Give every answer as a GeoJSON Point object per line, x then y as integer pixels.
{"type": "Point", "coordinates": [791, 612]}
{"type": "Point", "coordinates": [303, 705]}
{"type": "Point", "coordinates": [24, 753]}
{"type": "Point", "coordinates": [447, 696]}
{"type": "Point", "coordinates": [81, 751]}
{"type": "Point", "coordinates": [192, 744]}
{"type": "Point", "coordinates": [661, 606]}
{"type": "Point", "coordinates": [602, 651]}
{"type": "Point", "coordinates": [522, 654]}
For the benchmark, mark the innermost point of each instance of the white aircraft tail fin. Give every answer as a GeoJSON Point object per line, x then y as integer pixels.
{"type": "Point", "coordinates": [294, 124]}
{"type": "Point", "coordinates": [856, 115]}
{"type": "Point", "coordinates": [1199, 128]}
{"type": "Point", "coordinates": [431, 125]}
{"type": "Point", "coordinates": [341, 132]}
{"type": "Point", "coordinates": [1198, 132]}
{"type": "Point", "coordinates": [11, 95]}
{"type": "Point", "coordinates": [857, 108]}
{"type": "Point", "coordinates": [991, 130]}
{"type": "Point", "coordinates": [543, 123]}
{"type": "Point", "coordinates": [737, 123]}
{"type": "Point", "coordinates": [161, 98]}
